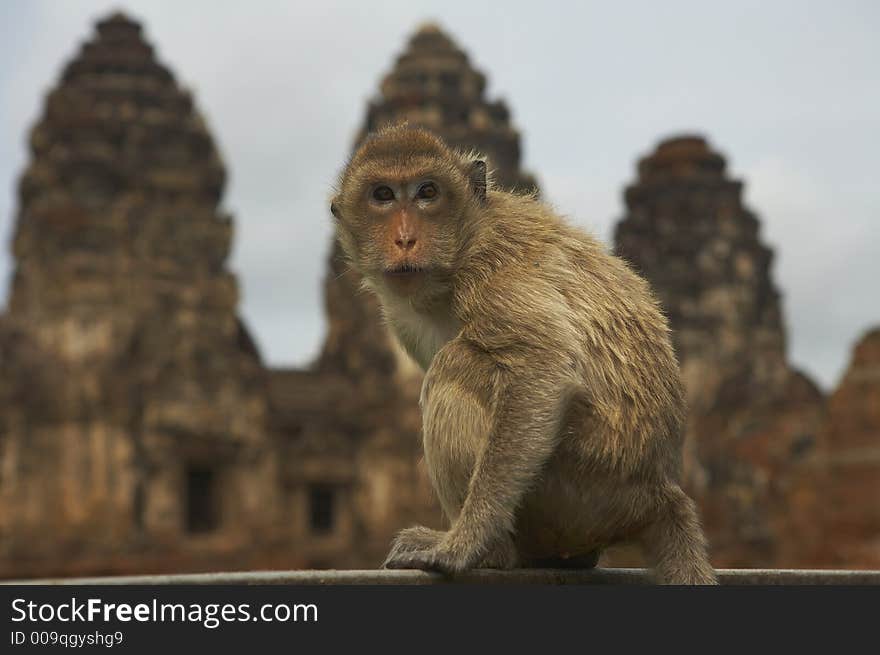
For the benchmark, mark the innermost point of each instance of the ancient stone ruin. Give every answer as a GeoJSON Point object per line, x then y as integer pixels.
{"type": "Point", "coordinates": [832, 493]}
{"type": "Point", "coordinates": [133, 410]}
{"type": "Point", "coordinates": [688, 232]}
{"type": "Point", "coordinates": [755, 443]}
{"type": "Point", "coordinates": [140, 432]}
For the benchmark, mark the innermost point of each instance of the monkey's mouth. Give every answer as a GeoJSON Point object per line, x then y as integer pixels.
{"type": "Point", "coordinates": [405, 270]}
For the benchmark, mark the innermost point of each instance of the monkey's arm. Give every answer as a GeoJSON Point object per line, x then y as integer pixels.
{"type": "Point", "coordinates": [520, 408]}
{"type": "Point", "coordinates": [522, 440]}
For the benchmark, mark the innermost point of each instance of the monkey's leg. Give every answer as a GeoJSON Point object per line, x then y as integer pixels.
{"type": "Point", "coordinates": [674, 542]}
{"type": "Point", "coordinates": [523, 424]}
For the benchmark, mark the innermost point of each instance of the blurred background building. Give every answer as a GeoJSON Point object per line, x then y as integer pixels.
{"type": "Point", "coordinates": [141, 431]}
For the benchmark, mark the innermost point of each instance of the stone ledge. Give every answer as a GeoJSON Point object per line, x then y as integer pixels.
{"type": "Point", "coordinates": [517, 576]}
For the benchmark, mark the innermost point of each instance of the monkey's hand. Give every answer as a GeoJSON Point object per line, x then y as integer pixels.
{"type": "Point", "coordinates": [411, 550]}
{"type": "Point", "coordinates": [430, 550]}
{"type": "Point", "coordinates": [412, 540]}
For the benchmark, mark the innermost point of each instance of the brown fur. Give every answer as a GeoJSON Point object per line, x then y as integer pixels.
{"type": "Point", "coordinates": [553, 411]}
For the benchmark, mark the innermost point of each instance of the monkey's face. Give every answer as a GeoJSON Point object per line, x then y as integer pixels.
{"type": "Point", "coordinates": [403, 208]}
{"type": "Point", "coordinates": [402, 230]}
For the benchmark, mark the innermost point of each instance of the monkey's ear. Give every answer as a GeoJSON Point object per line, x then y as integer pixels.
{"type": "Point", "coordinates": [477, 178]}
{"type": "Point", "coordinates": [334, 210]}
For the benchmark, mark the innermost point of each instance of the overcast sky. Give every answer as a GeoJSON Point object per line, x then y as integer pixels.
{"type": "Point", "coordinates": [789, 92]}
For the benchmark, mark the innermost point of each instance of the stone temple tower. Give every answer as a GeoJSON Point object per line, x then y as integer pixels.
{"type": "Point", "coordinates": [145, 396]}
{"type": "Point", "coordinates": [434, 85]}
{"type": "Point", "coordinates": [751, 415]}
{"type": "Point", "coordinates": [688, 232]}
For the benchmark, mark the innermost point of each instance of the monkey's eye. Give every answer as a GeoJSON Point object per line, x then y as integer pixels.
{"type": "Point", "coordinates": [383, 194]}
{"type": "Point", "coordinates": [428, 191]}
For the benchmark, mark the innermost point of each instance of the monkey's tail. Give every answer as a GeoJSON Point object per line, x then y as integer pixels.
{"type": "Point", "coordinates": [675, 545]}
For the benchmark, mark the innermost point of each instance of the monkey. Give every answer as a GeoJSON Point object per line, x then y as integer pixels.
{"type": "Point", "coordinates": [552, 406]}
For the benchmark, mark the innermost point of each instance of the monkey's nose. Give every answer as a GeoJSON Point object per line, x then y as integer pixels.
{"type": "Point", "coordinates": [405, 242]}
